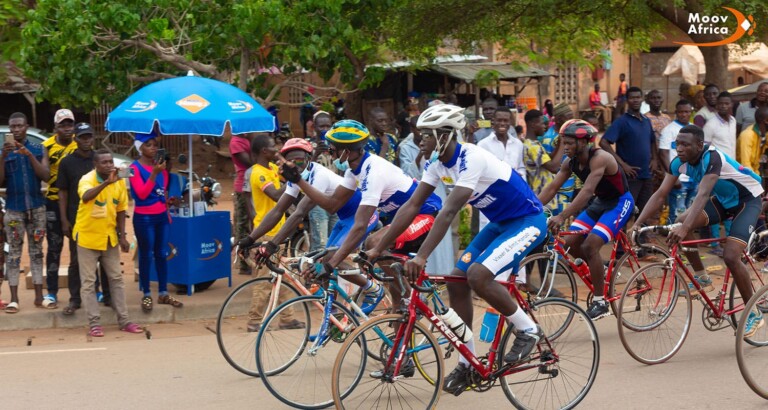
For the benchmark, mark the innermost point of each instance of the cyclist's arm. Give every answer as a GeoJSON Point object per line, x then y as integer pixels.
{"type": "Point", "coordinates": [355, 235]}
{"type": "Point", "coordinates": [405, 215]}
{"type": "Point", "coordinates": [657, 199]}
{"type": "Point", "coordinates": [550, 190]}
{"type": "Point", "coordinates": [272, 217]}
{"type": "Point", "coordinates": [293, 221]}
{"type": "Point", "coordinates": [330, 203]}
{"type": "Point", "coordinates": [458, 197]}
{"type": "Point", "coordinates": [597, 166]}
{"type": "Point", "coordinates": [705, 191]}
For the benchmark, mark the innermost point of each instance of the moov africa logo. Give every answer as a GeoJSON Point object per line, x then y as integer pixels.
{"type": "Point", "coordinates": [700, 24]}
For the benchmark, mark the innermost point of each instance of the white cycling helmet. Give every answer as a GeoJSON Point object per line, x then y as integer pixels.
{"type": "Point", "coordinates": [442, 116]}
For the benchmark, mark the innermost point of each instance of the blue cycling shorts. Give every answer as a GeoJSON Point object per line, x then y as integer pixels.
{"type": "Point", "coordinates": [343, 226]}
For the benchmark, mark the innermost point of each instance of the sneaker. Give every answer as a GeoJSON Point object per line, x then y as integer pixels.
{"type": "Point", "coordinates": [458, 380]}
{"type": "Point", "coordinates": [371, 298]}
{"type": "Point", "coordinates": [407, 369]}
{"type": "Point", "coordinates": [704, 282]}
{"type": "Point", "coordinates": [523, 345]}
{"type": "Point", "coordinates": [99, 297]}
{"type": "Point", "coordinates": [754, 322]}
{"type": "Point", "coordinates": [598, 309]}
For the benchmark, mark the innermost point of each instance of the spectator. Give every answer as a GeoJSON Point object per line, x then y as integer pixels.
{"type": "Point", "coordinates": [71, 169]}
{"type": "Point", "coordinates": [22, 168]}
{"type": "Point", "coordinates": [99, 229]}
{"type": "Point", "coordinates": [55, 149]}
{"type": "Point", "coordinates": [320, 221]}
{"type": "Point", "coordinates": [411, 158]}
{"type": "Point", "coordinates": [636, 149]}
{"type": "Point", "coordinates": [681, 197]}
{"type": "Point", "coordinates": [683, 90]}
{"type": "Point", "coordinates": [621, 96]}
{"type": "Point", "coordinates": [540, 167]}
{"type": "Point", "coordinates": [709, 109]}
{"type": "Point", "coordinates": [551, 144]}
{"type": "Point", "coordinates": [488, 108]}
{"type": "Point", "coordinates": [381, 142]}
{"type": "Point", "coordinates": [745, 114]}
{"type": "Point", "coordinates": [751, 145]}
{"type": "Point", "coordinates": [266, 189]}
{"type": "Point", "coordinates": [720, 130]}
{"type": "Point", "coordinates": [596, 104]}
{"type": "Point", "coordinates": [239, 149]}
{"type": "Point", "coordinates": [149, 185]}
{"type": "Point", "coordinates": [659, 120]}
{"type": "Point", "coordinates": [548, 109]}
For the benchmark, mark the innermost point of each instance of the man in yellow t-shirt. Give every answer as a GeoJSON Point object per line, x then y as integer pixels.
{"type": "Point", "coordinates": [55, 149]}
{"type": "Point", "coordinates": [98, 230]}
{"type": "Point", "coordinates": [266, 189]}
{"type": "Point", "coordinates": [751, 145]}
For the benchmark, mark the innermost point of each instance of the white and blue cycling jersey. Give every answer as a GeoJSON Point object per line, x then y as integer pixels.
{"type": "Point", "coordinates": [498, 192]}
{"type": "Point", "coordinates": [326, 181]}
{"type": "Point", "coordinates": [384, 185]}
{"type": "Point", "coordinates": [736, 183]}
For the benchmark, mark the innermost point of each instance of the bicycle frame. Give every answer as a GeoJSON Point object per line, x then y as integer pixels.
{"type": "Point", "coordinates": [333, 291]}
{"type": "Point", "coordinates": [417, 306]}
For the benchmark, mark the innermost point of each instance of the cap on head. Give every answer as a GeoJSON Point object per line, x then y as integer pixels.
{"type": "Point", "coordinates": [83, 128]}
{"type": "Point", "coordinates": [348, 134]}
{"type": "Point", "coordinates": [140, 139]}
{"type": "Point", "coordinates": [62, 115]}
{"type": "Point", "coordinates": [296, 144]}
{"type": "Point", "coordinates": [442, 116]}
{"type": "Point", "coordinates": [562, 109]}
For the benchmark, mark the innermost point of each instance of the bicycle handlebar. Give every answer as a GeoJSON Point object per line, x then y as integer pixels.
{"type": "Point", "coordinates": [362, 259]}
{"type": "Point", "coordinates": [399, 270]}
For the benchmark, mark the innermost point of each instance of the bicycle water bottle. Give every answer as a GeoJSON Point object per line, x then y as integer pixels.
{"type": "Point", "coordinates": [458, 327]}
{"type": "Point", "coordinates": [582, 269]}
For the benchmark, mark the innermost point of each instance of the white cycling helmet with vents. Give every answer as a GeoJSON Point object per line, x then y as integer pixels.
{"type": "Point", "coordinates": [446, 117]}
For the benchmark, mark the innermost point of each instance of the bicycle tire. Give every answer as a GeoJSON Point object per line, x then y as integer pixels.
{"type": "Point", "coordinates": [749, 356]}
{"type": "Point", "coordinates": [619, 277]}
{"type": "Point", "coordinates": [576, 350]}
{"type": "Point", "coordinates": [295, 381]}
{"type": "Point", "coordinates": [299, 244]}
{"type": "Point", "coordinates": [236, 344]}
{"type": "Point", "coordinates": [656, 290]}
{"type": "Point", "coordinates": [565, 283]}
{"type": "Point", "coordinates": [353, 370]}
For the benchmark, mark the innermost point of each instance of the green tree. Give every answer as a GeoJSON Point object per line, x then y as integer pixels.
{"type": "Point", "coordinates": [12, 17]}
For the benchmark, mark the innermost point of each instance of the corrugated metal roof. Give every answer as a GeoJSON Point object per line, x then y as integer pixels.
{"type": "Point", "coordinates": [13, 80]}
{"type": "Point", "coordinates": [468, 71]}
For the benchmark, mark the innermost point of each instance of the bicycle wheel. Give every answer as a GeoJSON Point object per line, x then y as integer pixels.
{"type": "Point", "coordinates": [358, 381]}
{"type": "Point", "coordinates": [236, 343]}
{"type": "Point", "coordinates": [759, 279]}
{"type": "Point", "coordinates": [650, 328]}
{"type": "Point", "coordinates": [548, 275]}
{"type": "Point", "coordinates": [294, 365]}
{"type": "Point", "coordinates": [626, 266]}
{"type": "Point", "coordinates": [564, 369]}
{"type": "Point", "coordinates": [751, 356]}
{"type": "Point", "coordinates": [299, 244]}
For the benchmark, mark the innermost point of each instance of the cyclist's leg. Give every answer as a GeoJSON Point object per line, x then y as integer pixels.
{"type": "Point", "coordinates": [584, 221]}
{"type": "Point", "coordinates": [605, 230]}
{"type": "Point", "coordinates": [712, 214]}
{"type": "Point", "coordinates": [744, 220]}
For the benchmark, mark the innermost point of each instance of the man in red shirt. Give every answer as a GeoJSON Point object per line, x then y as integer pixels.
{"type": "Point", "coordinates": [596, 104]}
{"type": "Point", "coordinates": [240, 149]}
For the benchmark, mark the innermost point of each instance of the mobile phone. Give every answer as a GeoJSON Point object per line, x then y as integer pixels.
{"type": "Point", "coordinates": [160, 155]}
{"type": "Point", "coordinates": [9, 139]}
{"type": "Point", "coordinates": [125, 172]}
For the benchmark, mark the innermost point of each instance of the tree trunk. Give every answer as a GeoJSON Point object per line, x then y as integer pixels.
{"type": "Point", "coordinates": [353, 105]}
{"type": "Point", "coordinates": [716, 61]}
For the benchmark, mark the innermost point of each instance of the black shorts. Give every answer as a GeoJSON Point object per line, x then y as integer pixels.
{"type": "Point", "coordinates": [744, 216]}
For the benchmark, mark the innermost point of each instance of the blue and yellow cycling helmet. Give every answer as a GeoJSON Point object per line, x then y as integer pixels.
{"type": "Point", "coordinates": [348, 134]}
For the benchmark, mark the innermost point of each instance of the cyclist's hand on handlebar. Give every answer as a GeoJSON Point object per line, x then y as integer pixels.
{"type": "Point", "coordinates": [372, 254]}
{"type": "Point", "coordinates": [265, 251]}
{"type": "Point", "coordinates": [554, 223]}
{"type": "Point", "coordinates": [414, 267]}
{"type": "Point", "coordinates": [677, 234]}
{"type": "Point", "coordinates": [245, 242]}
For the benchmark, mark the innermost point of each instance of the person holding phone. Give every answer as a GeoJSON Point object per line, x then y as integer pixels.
{"type": "Point", "coordinates": [149, 185]}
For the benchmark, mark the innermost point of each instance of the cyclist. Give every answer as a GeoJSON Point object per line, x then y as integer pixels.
{"type": "Point", "coordinates": [726, 189]}
{"type": "Point", "coordinates": [381, 185]}
{"type": "Point", "coordinates": [517, 225]}
{"type": "Point", "coordinates": [606, 196]}
{"type": "Point", "coordinates": [299, 152]}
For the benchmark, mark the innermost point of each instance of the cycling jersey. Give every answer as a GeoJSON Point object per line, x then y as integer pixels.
{"type": "Point", "coordinates": [610, 186]}
{"type": "Point", "coordinates": [498, 192]}
{"type": "Point", "coordinates": [326, 181]}
{"type": "Point", "coordinates": [384, 185]}
{"type": "Point", "coordinates": [736, 183]}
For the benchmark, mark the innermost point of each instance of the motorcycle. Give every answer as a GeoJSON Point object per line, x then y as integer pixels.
{"type": "Point", "coordinates": [209, 190]}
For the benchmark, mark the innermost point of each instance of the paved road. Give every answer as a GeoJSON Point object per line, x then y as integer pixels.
{"type": "Point", "coordinates": [180, 367]}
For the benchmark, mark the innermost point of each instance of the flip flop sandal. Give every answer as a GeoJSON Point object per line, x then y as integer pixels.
{"type": "Point", "coordinates": [146, 303]}
{"type": "Point", "coordinates": [70, 310]}
{"type": "Point", "coordinates": [132, 328]}
{"type": "Point", "coordinates": [3, 304]}
{"type": "Point", "coordinates": [48, 303]}
{"type": "Point", "coordinates": [169, 300]}
{"type": "Point", "coordinates": [12, 307]}
{"type": "Point", "coordinates": [96, 331]}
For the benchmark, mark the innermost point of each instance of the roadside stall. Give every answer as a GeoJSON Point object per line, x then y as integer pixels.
{"type": "Point", "coordinates": [199, 248]}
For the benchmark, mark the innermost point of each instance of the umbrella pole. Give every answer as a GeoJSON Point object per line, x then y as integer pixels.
{"type": "Point", "coordinates": [191, 182]}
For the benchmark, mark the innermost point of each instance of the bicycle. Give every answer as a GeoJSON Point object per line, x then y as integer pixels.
{"type": "Point", "coordinates": [749, 355]}
{"type": "Point", "coordinates": [556, 269]}
{"type": "Point", "coordinates": [650, 328]}
{"type": "Point", "coordinates": [236, 343]}
{"type": "Point", "coordinates": [293, 363]}
{"type": "Point", "coordinates": [570, 346]}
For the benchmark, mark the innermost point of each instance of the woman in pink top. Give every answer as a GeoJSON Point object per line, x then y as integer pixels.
{"type": "Point", "coordinates": [149, 184]}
